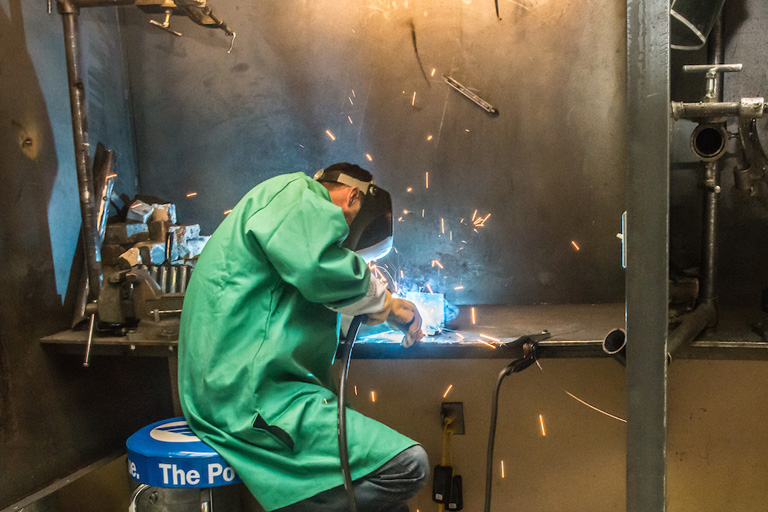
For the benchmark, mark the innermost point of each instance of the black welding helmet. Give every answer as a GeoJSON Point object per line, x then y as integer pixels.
{"type": "Point", "coordinates": [370, 234]}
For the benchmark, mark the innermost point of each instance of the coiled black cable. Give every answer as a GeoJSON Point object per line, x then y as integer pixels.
{"type": "Point", "coordinates": [342, 411]}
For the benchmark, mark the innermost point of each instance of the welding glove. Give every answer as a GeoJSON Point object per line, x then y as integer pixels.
{"type": "Point", "coordinates": [399, 314]}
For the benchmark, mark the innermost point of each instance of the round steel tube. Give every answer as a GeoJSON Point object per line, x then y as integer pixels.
{"type": "Point", "coordinates": [615, 344]}
{"type": "Point", "coordinates": [80, 134]}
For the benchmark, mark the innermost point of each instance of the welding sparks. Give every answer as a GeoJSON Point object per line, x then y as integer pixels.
{"type": "Point", "coordinates": [429, 137]}
{"type": "Point", "coordinates": [110, 176]}
{"type": "Point", "coordinates": [422, 211]}
{"type": "Point", "coordinates": [402, 275]}
{"type": "Point", "coordinates": [350, 100]}
{"type": "Point", "coordinates": [480, 221]}
{"type": "Point", "coordinates": [473, 316]}
{"type": "Point", "coordinates": [458, 335]}
{"type": "Point", "coordinates": [325, 400]}
{"type": "Point", "coordinates": [460, 287]}
{"type": "Point", "coordinates": [594, 408]}
{"type": "Point", "coordinates": [353, 93]}
{"type": "Point", "coordinates": [413, 101]}
{"type": "Point", "coordinates": [192, 194]}
{"type": "Point", "coordinates": [429, 288]}
{"type": "Point", "coordinates": [433, 72]}
{"type": "Point", "coordinates": [474, 215]}
{"type": "Point", "coordinates": [541, 422]}
{"type": "Point", "coordinates": [490, 338]}
{"type": "Point", "coordinates": [355, 390]}
{"type": "Point", "coordinates": [502, 469]}
{"type": "Point", "coordinates": [435, 262]}
{"type": "Point", "coordinates": [426, 179]}
{"type": "Point", "coordinates": [486, 343]}
{"type": "Point", "coordinates": [350, 120]}
{"type": "Point", "coordinates": [369, 157]}
{"type": "Point", "coordinates": [330, 134]}
{"type": "Point", "coordinates": [575, 245]}
{"type": "Point", "coordinates": [409, 189]}
{"type": "Point", "coordinates": [373, 396]}
{"type": "Point", "coordinates": [447, 390]}
{"type": "Point", "coordinates": [228, 212]}
{"type": "Point", "coordinates": [442, 225]}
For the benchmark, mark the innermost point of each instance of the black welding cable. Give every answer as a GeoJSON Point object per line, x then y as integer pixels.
{"type": "Point", "coordinates": [513, 367]}
{"type": "Point", "coordinates": [491, 438]}
{"type": "Point", "coordinates": [342, 411]}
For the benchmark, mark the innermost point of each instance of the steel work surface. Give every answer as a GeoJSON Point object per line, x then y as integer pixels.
{"type": "Point", "coordinates": [577, 331]}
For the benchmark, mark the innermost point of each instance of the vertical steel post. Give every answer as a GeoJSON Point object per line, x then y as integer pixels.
{"type": "Point", "coordinates": [69, 16]}
{"type": "Point", "coordinates": [708, 293]}
{"type": "Point", "coordinates": [647, 244]}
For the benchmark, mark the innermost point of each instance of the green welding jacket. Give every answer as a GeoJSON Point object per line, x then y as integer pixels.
{"type": "Point", "coordinates": [259, 331]}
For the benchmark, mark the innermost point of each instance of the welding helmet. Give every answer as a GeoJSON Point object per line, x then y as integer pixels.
{"type": "Point", "coordinates": [370, 234]}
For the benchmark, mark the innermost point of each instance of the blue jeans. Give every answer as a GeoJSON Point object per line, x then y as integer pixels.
{"type": "Point", "coordinates": [385, 490]}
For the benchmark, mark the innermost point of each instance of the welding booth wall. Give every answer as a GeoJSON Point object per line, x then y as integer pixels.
{"type": "Point", "coordinates": [56, 416]}
{"type": "Point", "coordinates": [311, 83]}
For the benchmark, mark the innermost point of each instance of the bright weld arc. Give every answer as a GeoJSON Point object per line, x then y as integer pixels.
{"type": "Point", "coordinates": [447, 390]}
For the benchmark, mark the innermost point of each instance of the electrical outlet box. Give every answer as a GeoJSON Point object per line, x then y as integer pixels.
{"type": "Point", "coordinates": [455, 410]}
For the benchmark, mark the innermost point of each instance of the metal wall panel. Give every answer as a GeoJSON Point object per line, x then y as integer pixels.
{"type": "Point", "coordinates": [549, 168]}
{"type": "Point", "coordinates": [55, 416]}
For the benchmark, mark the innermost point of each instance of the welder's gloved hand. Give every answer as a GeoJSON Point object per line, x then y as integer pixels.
{"type": "Point", "coordinates": [406, 317]}
{"type": "Point", "coordinates": [399, 314]}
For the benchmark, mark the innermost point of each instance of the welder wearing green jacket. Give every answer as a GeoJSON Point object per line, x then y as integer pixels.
{"type": "Point", "coordinates": [259, 331]}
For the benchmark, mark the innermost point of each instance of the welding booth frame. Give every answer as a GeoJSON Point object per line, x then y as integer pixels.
{"type": "Point", "coordinates": [647, 251]}
{"type": "Point", "coordinates": [646, 236]}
